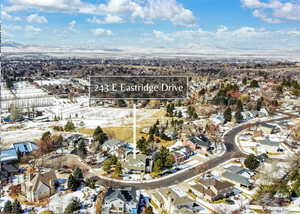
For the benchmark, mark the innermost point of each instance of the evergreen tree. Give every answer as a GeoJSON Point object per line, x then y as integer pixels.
{"type": "Point", "coordinates": [157, 122]}
{"type": "Point", "coordinates": [46, 136]}
{"type": "Point", "coordinates": [254, 84]}
{"type": "Point", "coordinates": [73, 184]}
{"type": "Point", "coordinates": [91, 183]}
{"type": "Point", "coordinates": [169, 161]}
{"type": "Point", "coordinates": [150, 138]}
{"type": "Point", "coordinates": [239, 105]}
{"type": "Point", "coordinates": [238, 117]}
{"type": "Point", "coordinates": [172, 123]}
{"type": "Point", "coordinates": [251, 162]}
{"type": "Point", "coordinates": [179, 114]}
{"type": "Point", "coordinates": [156, 132]}
{"type": "Point", "coordinates": [107, 165]}
{"type": "Point", "coordinates": [82, 148]}
{"type": "Point", "coordinates": [118, 169]}
{"type": "Point", "coordinates": [99, 136]}
{"type": "Point", "coordinates": [259, 104]}
{"type": "Point", "coordinates": [77, 174]}
{"type": "Point", "coordinates": [97, 131]}
{"type": "Point", "coordinates": [227, 115]}
{"type": "Point", "coordinates": [157, 166]}
{"type": "Point", "coordinates": [72, 207]}
{"type": "Point", "coordinates": [7, 207]}
{"type": "Point", "coordinates": [69, 126]}
{"type": "Point", "coordinates": [195, 115]}
{"type": "Point", "coordinates": [16, 207]}
{"type": "Point", "coordinates": [142, 145]}
{"type": "Point", "coordinates": [114, 160]}
{"type": "Point", "coordinates": [170, 110]}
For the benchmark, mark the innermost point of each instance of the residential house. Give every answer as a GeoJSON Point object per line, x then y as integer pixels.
{"type": "Point", "coordinates": [73, 138]}
{"type": "Point", "coordinates": [217, 119]}
{"type": "Point", "coordinates": [248, 115]}
{"type": "Point", "coordinates": [269, 146]}
{"type": "Point", "coordinates": [111, 145]}
{"type": "Point", "coordinates": [262, 157]}
{"type": "Point", "coordinates": [171, 133]}
{"type": "Point", "coordinates": [8, 155]}
{"type": "Point", "coordinates": [268, 128]}
{"type": "Point", "coordinates": [121, 201]}
{"type": "Point", "coordinates": [25, 147]}
{"type": "Point", "coordinates": [12, 154]}
{"type": "Point", "coordinates": [4, 177]}
{"type": "Point", "coordinates": [39, 186]}
{"type": "Point", "coordinates": [140, 164]}
{"type": "Point", "coordinates": [212, 189]}
{"type": "Point", "coordinates": [238, 176]}
{"type": "Point", "coordinates": [198, 142]}
{"type": "Point", "coordinates": [122, 152]}
{"type": "Point", "coordinates": [173, 200]}
{"type": "Point", "coordinates": [181, 154]}
{"type": "Point", "coordinates": [6, 171]}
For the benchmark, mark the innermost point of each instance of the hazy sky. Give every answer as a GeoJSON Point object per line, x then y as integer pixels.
{"type": "Point", "coordinates": [242, 24]}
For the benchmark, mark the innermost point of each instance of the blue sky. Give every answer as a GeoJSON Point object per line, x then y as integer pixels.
{"type": "Point", "coordinates": [244, 24]}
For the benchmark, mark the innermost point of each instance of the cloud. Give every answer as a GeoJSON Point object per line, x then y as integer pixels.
{"type": "Point", "coordinates": [72, 26]}
{"type": "Point", "coordinates": [9, 17]}
{"type": "Point", "coordinates": [167, 10]}
{"type": "Point", "coordinates": [223, 37]}
{"type": "Point", "coordinates": [274, 11]}
{"type": "Point", "coordinates": [9, 31]}
{"type": "Point", "coordinates": [260, 14]}
{"type": "Point", "coordinates": [148, 10]}
{"type": "Point", "coordinates": [162, 35]}
{"type": "Point", "coordinates": [293, 32]}
{"type": "Point", "coordinates": [32, 29]}
{"type": "Point", "coordinates": [11, 27]}
{"type": "Point", "coordinates": [253, 3]}
{"type": "Point", "coordinates": [109, 19]}
{"type": "Point", "coordinates": [35, 18]}
{"type": "Point", "coordinates": [101, 32]}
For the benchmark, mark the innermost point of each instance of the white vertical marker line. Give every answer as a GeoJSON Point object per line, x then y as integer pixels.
{"type": "Point", "coordinates": [134, 131]}
{"type": "Point", "coordinates": [90, 85]}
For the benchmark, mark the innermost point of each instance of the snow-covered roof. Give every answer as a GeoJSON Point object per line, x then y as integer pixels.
{"type": "Point", "coordinates": [7, 155]}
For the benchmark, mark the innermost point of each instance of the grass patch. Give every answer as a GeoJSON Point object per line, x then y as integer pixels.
{"type": "Point", "coordinates": [274, 153]}
{"type": "Point", "coordinates": [261, 211]}
{"type": "Point", "coordinates": [46, 212]}
{"type": "Point", "coordinates": [154, 204]}
{"type": "Point", "coordinates": [86, 131]}
{"type": "Point", "coordinates": [192, 195]}
{"type": "Point", "coordinates": [219, 201]}
{"type": "Point", "coordinates": [13, 128]}
{"type": "Point", "coordinates": [155, 174]}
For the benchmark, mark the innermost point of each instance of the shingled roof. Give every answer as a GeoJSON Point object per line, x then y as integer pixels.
{"type": "Point", "coordinates": [45, 178]}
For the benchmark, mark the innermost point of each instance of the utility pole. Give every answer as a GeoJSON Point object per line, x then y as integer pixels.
{"type": "Point", "coordinates": [134, 130]}
{"type": "Point", "coordinates": [0, 96]}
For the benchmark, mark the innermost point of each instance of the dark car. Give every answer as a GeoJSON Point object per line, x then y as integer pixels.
{"type": "Point", "coordinates": [230, 202]}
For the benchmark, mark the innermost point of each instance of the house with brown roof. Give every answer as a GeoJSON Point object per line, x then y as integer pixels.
{"type": "Point", "coordinates": [212, 189]}
{"type": "Point", "coordinates": [39, 186]}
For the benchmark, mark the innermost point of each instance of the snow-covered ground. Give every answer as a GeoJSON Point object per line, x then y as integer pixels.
{"type": "Point", "coordinates": [53, 82]}
{"type": "Point", "coordinates": [25, 95]}
{"type": "Point", "coordinates": [60, 201]}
